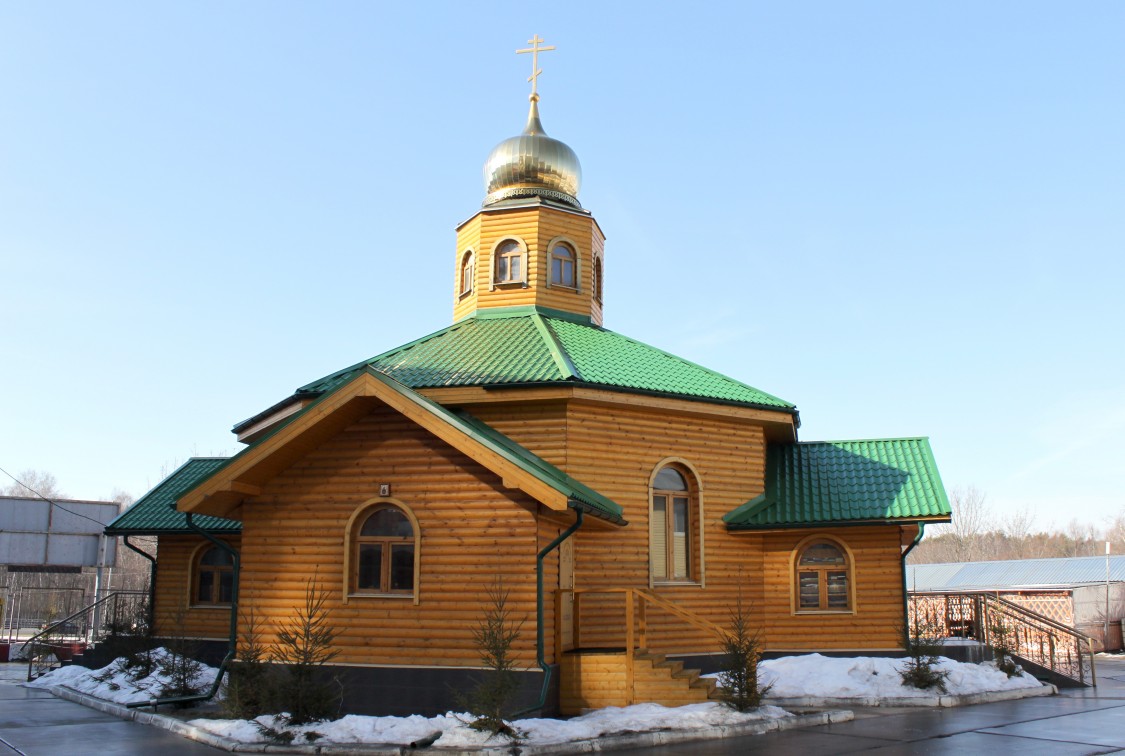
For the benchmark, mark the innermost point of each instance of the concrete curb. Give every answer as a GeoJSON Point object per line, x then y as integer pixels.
{"type": "Point", "coordinates": [943, 701]}
{"type": "Point", "coordinates": [610, 743]}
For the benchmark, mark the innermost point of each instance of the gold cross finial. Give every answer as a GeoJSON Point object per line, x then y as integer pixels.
{"type": "Point", "coordinates": [535, 49]}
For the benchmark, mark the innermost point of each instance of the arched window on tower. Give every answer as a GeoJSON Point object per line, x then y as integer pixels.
{"type": "Point", "coordinates": [563, 262]}
{"type": "Point", "coordinates": [509, 262]}
{"type": "Point", "coordinates": [597, 279]}
{"type": "Point", "coordinates": [674, 514]}
{"type": "Point", "coordinates": [467, 272]}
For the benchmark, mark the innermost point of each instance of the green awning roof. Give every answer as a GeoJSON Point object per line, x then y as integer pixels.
{"type": "Point", "coordinates": [525, 346]}
{"type": "Point", "coordinates": [846, 482]}
{"type": "Point", "coordinates": [155, 513]}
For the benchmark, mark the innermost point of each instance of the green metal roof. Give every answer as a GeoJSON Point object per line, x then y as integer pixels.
{"type": "Point", "coordinates": [524, 346]}
{"type": "Point", "coordinates": [845, 482]}
{"type": "Point", "coordinates": [155, 513]}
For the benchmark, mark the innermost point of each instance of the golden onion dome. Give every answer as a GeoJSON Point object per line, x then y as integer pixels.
{"type": "Point", "coordinates": [532, 165]}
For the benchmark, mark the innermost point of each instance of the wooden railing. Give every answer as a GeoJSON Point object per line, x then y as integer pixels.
{"type": "Point", "coordinates": [637, 601]}
{"type": "Point", "coordinates": [984, 617]}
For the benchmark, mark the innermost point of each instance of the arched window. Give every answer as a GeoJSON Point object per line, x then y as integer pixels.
{"type": "Point", "coordinates": [509, 262]}
{"type": "Point", "coordinates": [467, 272]}
{"type": "Point", "coordinates": [385, 552]}
{"type": "Point", "coordinates": [214, 577]}
{"type": "Point", "coordinates": [673, 519]}
{"type": "Point", "coordinates": [563, 262]}
{"type": "Point", "coordinates": [822, 577]}
{"type": "Point", "coordinates": [597, 279]}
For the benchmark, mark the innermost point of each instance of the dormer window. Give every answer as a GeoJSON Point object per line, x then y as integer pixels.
{"type": "Point", "coordinates": [467, 273]}
{"type": "Point", "coordinates": [562, 266]}
{"type": "Point", "coordinates": [509, 262]}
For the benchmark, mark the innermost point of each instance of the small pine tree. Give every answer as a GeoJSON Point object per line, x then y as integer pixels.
{"type": "Point", "coordinates": [922, 655]}
{"type": "Point", "coordinates": [247, 690]}
{"type": "Point", "coordinates": [178, 666]}
{"type": "Point", "coordinates": [495, 637]}
{"type": "Point", "coordinates": [742, 645]}
{"type": "Point", "coordinates": [304, 646]}
{"type": "Point", "coordinates": [1003, 647]}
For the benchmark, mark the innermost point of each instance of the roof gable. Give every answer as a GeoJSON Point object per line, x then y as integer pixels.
{"type": "Point", "coordinates": [155, 513]}
{"type": "Point", "coordinates": [842, 482]}
{"type": "Point", "coordinates": [244, 474]}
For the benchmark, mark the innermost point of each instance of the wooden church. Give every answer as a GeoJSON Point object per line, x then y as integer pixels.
{"type": "Point", "coordinates": [624, 497]}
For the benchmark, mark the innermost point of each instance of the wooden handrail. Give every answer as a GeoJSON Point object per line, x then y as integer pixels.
{"type": "Point", "coordinates": [682, 613]}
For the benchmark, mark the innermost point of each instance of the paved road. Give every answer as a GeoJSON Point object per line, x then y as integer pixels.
{"type": "Point", "coordinates": [35, 723]}
{"type": "Point", "coordinates": [1087, 721]}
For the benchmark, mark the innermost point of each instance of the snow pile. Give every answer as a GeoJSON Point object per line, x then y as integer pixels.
{"type": "Point", "coordinates": [456, 734]}
{"type": "Point", "coordinates": [115, 683]}
{"type": "Point", "coordinates": [819, 676]}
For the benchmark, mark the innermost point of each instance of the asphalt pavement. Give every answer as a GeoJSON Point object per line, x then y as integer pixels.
{"type": "Point", "coordinates": [1085, 721]}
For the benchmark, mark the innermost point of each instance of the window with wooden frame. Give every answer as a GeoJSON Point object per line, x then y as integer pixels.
{"type": "Point", "coordinates": [822, 577]}
{"type": "Point", "coordinates": [385, 552]}
{"type": "Point", "coordinates": [563, 266]}
{"type": "Point", "coordinates": [467, 273]}
{"type": "Point", "coordinates": [597, 279]}
{"type": "Point", "coordinates": [673, 516]}
{"type": "Point", "coordinates": [213, 584]}
{"type": "Point", "coordinates": [509, 259]}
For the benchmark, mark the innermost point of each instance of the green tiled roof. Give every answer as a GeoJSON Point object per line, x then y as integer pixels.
{"type": "Point", "coordinates": [155, 512]}
{"type": "Point", "coordinates": [524, 346]}
{"type": "Point", "coordinates": [834, 482]}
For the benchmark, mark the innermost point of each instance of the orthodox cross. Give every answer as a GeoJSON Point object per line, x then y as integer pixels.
{"type": "Point", "coordinates": [535, 49]}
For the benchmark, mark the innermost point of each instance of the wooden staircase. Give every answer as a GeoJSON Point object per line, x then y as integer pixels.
{"type": "Point", "coordinates": [593, 678]}
{"type": "Point", "coordinates": [598, 678]}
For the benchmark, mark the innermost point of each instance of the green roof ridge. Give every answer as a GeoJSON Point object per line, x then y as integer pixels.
{"type": "Point", "coordinates": [562, 359]}
{"type": "Point", "coordinates": [514, 452]}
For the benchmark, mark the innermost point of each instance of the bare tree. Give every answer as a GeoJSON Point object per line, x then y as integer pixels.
{"type": "Point", "coordinates": [31, 482]}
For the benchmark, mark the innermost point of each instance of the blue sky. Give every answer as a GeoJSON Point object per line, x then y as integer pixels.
{"type": "Point", "coordinates": [907, 218]}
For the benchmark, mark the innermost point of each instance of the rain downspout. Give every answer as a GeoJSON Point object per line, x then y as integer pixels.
{"type": "Point", "coordinates": [539, 643]}
{"type": "Point", "coordinates": [232, 640]}
{"type": "Point", "coordinates": [905, 591]}
{"type": "Point", "coordinates": [150, 616]}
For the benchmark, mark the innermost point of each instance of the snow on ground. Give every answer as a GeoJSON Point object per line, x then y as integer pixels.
{"type": "Point", "coordinates": [870, 677]}
{"type": "Point", "coordinates": [812, 675]}
{"type": "Point", "coordinates": [114, 683]}
{"type": "Point", "coordinates": [456, 734]}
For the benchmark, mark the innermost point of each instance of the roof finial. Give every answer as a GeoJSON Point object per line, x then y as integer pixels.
{"type": "Point", "coordinates": [535, 49]}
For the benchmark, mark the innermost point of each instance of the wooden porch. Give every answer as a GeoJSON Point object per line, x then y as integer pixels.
{"type": "Point", "coordinates": [629, 672]}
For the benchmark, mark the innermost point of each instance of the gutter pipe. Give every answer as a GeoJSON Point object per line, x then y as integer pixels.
{"type": "Point", "coordinates": [232, 640]}
{"type": "Point", "coordinates": [150, 614]}
{"type": "Point", "coordinates": [539, 642]}
{"type": "Point", "coordinates": [905, 588]}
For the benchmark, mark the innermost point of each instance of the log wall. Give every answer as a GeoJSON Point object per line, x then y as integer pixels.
{"type": "Point", "coordinates": [172, 613]}
{"type": "Point", "coordinates": [472, 530]}
{"type": "Point", "coordinates": [537, 227]}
